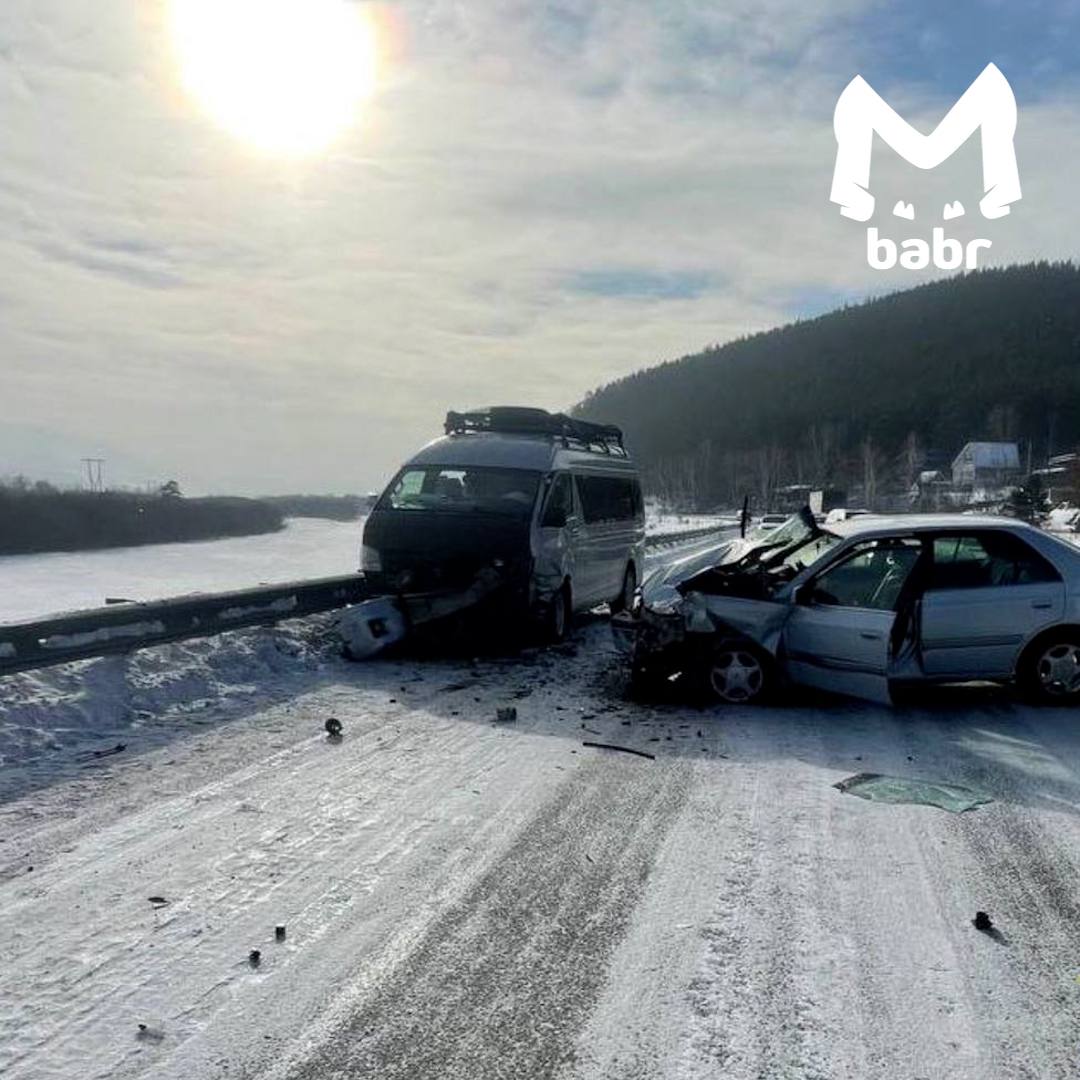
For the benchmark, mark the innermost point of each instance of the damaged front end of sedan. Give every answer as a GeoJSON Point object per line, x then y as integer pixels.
{"type": "Point", "coordinates": [717, 615]}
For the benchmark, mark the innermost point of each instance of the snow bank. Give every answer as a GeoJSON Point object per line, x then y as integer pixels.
{"type": "Point", "coordinates": [75, 707]}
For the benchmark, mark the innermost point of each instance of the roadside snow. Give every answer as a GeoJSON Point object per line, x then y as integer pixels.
{"type": "Point", "coordinates": [48, 718]}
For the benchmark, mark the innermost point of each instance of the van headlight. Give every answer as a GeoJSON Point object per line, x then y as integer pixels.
{"type": "Point", "coordinates": [370, 559]}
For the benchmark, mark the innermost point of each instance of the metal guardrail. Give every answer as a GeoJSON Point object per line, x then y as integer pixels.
{"type": "Point", "coordinates": [670, 539]}
{"type": "Point", "coordinates": [123, 627]}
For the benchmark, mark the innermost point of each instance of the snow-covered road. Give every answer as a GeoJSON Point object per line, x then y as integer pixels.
{"type": "Point", "coordinates": [465, 899]}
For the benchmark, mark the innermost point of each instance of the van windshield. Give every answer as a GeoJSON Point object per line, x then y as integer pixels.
{"type": "Point", "coordinates": [458, 489]}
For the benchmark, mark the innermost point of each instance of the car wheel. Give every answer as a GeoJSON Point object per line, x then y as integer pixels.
{"type": "Point", "coordinates": [625, 599]}
{"type": "Point", "coordinates": [1050, 671]}
{"type": "Point", "coordinates": [738, 673]}
{"type": "Point", "coordinates": [560, 615]}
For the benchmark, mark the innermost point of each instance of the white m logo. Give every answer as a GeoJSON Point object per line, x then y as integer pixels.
{"type": "Point", "coordinates": [988, 103]}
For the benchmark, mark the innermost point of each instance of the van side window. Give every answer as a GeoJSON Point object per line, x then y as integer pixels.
{"type": "Point", "coordinates": [560, 498]}
{"type": "Point", "coordinates": [608, 498]}
{"type": "Point", "coordinates": [985, 560]}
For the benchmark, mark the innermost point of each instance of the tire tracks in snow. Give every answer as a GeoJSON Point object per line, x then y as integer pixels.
{"type": "Point", "coordinates": [502, 982]}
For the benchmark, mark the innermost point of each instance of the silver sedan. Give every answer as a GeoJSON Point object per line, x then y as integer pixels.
{"type": "Point", "coordinates": [864, 606]}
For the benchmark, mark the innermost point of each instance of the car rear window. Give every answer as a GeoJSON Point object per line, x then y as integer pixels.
{"type": "Point", "coordinates": [987, 560]}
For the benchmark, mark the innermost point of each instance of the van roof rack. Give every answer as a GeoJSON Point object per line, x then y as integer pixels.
{"type": "Point", "coordinates": [521, 420]}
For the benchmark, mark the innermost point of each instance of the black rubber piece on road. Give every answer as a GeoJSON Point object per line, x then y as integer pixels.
{"type": "Point", "coordinates": [622, 749]}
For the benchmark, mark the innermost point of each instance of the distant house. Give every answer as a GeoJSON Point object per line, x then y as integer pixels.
{"type": "Point", "coordinates": [986, 464]}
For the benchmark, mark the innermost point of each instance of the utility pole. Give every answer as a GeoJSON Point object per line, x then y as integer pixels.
{"type": "Point", "coordinates": [94, 473]}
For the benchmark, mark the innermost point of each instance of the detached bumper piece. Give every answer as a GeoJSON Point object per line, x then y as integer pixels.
{"type": "Point", "coordinates": [372, 627]}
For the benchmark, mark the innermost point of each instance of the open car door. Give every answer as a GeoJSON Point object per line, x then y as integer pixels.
{"type": "Point", "coordinates": [839, 634]}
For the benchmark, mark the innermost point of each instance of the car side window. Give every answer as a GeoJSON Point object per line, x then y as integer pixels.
{"type": "Point", "coordinates": [870, 576]}
{"type": "Point", "coordinates": [987, 560]}
{"type": "Point", "coordinates": [560, 498]}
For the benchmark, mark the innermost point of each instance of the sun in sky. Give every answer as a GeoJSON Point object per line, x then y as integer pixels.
{"type": "Point", "coordinates": [287, 76]}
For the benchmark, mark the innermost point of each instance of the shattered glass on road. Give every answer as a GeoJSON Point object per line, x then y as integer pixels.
{"type": "Point", "coordinates": [897, 789]}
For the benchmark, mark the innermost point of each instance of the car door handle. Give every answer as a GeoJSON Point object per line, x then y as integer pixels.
{"type": "Point", "coordinates": [1041, 605]}
{"type": "Point", "coordinates": [869, 635]}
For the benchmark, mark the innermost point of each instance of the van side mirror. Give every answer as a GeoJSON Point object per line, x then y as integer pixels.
{"type": "Point", "coordinates": [554, 518]}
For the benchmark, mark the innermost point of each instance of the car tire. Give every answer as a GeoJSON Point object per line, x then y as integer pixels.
{"type": "Point", "coordinates": [737, 672]}
{"type": "Point", "coordinates": [1049, 670]}
{"type": "Point", "coordinates": [625, 599]}
{"type": "Point", "coordinates": [559, 615]}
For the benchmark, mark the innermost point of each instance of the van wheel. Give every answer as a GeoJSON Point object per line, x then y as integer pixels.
{"type": "Point", "coordinates": [559, 615]}
{"type": "Point", "coordinates": [625, 599]}
{"type": "Point", "coordinates": [1050, 671]}
{"type": "Point", "coordinates": [737, 673]}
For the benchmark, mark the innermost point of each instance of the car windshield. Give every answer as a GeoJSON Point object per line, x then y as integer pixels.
{"type": "Point", "coordinates": [794, 532]}
{"type": "Point", "coordinates": [461, 489]}
{"type": "Point", "coordinates": [805, 554]}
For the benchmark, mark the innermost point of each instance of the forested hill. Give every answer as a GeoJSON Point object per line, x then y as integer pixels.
{"type": "Point", "coordinates": [865, 394]}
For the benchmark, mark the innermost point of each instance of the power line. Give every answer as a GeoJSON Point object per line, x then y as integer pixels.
{"type": "Point", "coordinates": [94, 472]}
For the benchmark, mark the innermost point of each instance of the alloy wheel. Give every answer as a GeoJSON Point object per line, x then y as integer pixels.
{"type": "Point", "coordinates": [1058, 670]}
{"type": "Point", "coordinates": [736, 675]}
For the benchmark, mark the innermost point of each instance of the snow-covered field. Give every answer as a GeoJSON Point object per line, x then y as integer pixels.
{"type": "Point", "coordinates": [465, 900]}
{"type": "Point", "coordinates": [32, 586]}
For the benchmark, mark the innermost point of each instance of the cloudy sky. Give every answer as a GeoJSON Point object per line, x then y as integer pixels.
{"type": "Point", "coordinates": [537, 197]}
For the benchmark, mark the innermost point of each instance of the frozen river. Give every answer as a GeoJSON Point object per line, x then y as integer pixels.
{"type": "Point", "coordinates": [35, 585]}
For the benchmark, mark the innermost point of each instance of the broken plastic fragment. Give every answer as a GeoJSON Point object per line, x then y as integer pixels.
{"type": "Point", "coordinates": [896, 789]}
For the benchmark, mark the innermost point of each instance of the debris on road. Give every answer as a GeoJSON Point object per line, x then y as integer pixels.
{"type": "Point", "coordinates": [983, 923]}
{"type": "Point", "coordinates": [505, 715]}
{"type": "Point", "coordinates": [333, 727]}
{"type": "Point", "coordinates": [119, 748]}
{"type": "Point", "coordinates": [366, 629]}
{"type": "Point", "coordinates": [621, 749]}
{"type": "Point", "coordinates": [895, 789]}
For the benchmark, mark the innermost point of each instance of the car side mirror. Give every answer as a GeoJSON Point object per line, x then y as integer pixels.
{"type": "Point", "coordinates": [554, 518]}
{"type": "Point", "coordinates": [801, 594]}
